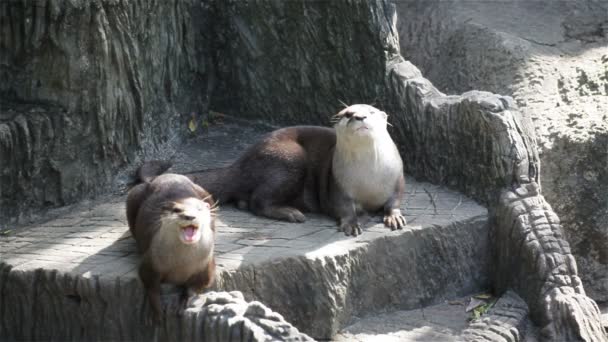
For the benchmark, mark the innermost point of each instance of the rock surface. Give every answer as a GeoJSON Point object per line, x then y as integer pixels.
{"type": "Point", "coordinates": [313, 275]}
{"type": "Point", "coordinates": [294, 61]}
{"type": "Point", "coordinates": [85, 86]}
{"type": "Point", "coordinates": [283, 62]}
{"type": "Point", "coordinates": [505, 161]}
{"type": "Point", "coordinates": [505, 321]}
{"type": "Point", "coordinates": [528, 242]}
{"type": "Point", "coordinates": [552, 57]}
{"type": "Point", "coordinates": [442, 322]}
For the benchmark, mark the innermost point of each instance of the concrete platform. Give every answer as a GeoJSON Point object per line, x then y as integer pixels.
{"type": "Point", "coordinates": [316, 277]}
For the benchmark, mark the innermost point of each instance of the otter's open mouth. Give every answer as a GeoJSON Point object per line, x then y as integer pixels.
{"type": "Point", "coordinates": [189, 233]}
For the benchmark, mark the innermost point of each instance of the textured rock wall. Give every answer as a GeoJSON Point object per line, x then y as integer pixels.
{"type": "Point", "coordinates": [477, 142]}
{"type": "Point", "coordinates": [482, 141]}
{"type": "Point", "coordinates": [505, 322]}
{"type": "Point", "coordinates": [409, 271]}
{"type": "Point", "coordinates": [552, 58]}
{"type": "Point", "coordinates": [86, 84]}
{"type": "Point", "coordinates": [47, 305]}
{"type": "Point", "coordinates": [530, 243]}
{"type": "Point", "coordinates": [294, 61]}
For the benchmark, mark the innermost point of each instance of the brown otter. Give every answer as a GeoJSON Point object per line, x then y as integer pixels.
{"type": "Point", "coordinates": [342, 172]}
{"type": "Point", "coordinates": [173, 223]}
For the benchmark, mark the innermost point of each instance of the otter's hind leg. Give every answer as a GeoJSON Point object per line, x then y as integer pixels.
{"type": "Point", "coordinates": [280, 180]}
{"type": "Point", "coordinates": [269, 201]}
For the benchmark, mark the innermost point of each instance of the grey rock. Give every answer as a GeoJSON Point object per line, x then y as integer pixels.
{"type": "Point", "coordinates": [294, 61]}
{"type": "Point", "coordinates": [442, 322]}
{"type": "Point", "coordinates": [434, 128]}
{"type": "Point", "coordinates": [321, 291]}
{"type": "Point", "coordinates": [282, 62]}
{"type": "Point", "coordinates": [505, 321]}
{"type": "Point", "coordinates": [551, 56]}
{"type": "Point", "coordinates": [315, 276]}
{"type": "Point", "coordinates": [61, 306]}
{"type": "Point", "coordinates": [529, 243]}
{"type": "Point", "coordinates": [86, 86]}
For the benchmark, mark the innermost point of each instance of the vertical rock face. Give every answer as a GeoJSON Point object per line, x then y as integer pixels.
{"type": "Point", "coordinates": [477, 142]}
{"type": "Point", "coordinates": [531, 256]}
{"type": "Point", "coordinates": [294, 61]}
{"type": "Point", "coordinates": [552, 58]}
{"type": "Point", "coordinates": [529, 242]}
{"type": "Point", "coordinates": [85, 84]}
{"type": "Point", "coordinates": [62, 306]}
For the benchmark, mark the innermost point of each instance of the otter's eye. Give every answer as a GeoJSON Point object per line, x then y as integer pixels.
{"type": "Point", "coordinates": [348, 115]}
{"type": "Point", "coordinates": [177, 210]}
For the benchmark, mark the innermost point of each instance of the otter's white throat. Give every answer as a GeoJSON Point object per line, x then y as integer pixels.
{"type": "Point", "coordinates": [366, 162]}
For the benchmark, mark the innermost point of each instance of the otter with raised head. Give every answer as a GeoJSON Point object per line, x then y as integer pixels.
{"type": "Point", "coordinates": [342, 172]}
{"type": "Point", "coordinates": [172, 222]}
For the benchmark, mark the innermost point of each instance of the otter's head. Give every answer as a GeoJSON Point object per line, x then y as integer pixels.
{"type": "Point", "coordinates": [190, 218]}
{"type": "Point", "coordinates": [360, 121]}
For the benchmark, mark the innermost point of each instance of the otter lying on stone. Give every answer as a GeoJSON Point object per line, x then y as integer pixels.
{"type": "Point", "coordinates": [173, 224]}
{"type": "Point", "coordinates": [342, 172]}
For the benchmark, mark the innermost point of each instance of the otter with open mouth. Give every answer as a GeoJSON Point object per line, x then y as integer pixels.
{"type": "Point", "coordinates": [173, 223]}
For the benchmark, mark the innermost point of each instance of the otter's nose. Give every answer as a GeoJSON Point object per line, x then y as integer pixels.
{"type": "Point", "coordinates": [187, 217]}
{"type": "Point", "coordinates": [360, 118]}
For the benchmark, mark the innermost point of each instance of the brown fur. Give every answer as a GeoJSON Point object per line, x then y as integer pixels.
{"type": "Point", "coordinates": [148, 204]}
{"type": "Point", "coordinates": [291, 171]}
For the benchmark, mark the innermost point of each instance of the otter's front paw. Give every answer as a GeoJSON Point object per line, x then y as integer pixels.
{"type": "Point", "coordinates": [395, 220]}
{"type": "Point", "coordinates": [350, 228]}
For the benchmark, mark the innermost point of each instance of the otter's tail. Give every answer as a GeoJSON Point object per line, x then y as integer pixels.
{"type": "Point", "coordinates": [149, 170]}
{"type": "Point", "coordinates": [219, 182]}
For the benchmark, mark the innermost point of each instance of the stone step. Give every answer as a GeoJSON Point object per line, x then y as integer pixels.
{"type": "Point", "coordinates": [442, 322]}
{"type": "Point", "coordinates": [506, 321]}
{"type": "Point", "coordinates": [316, 277]}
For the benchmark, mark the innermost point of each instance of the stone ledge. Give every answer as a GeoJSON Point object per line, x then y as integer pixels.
{"type": "Point", "coordinates": [313, 275]}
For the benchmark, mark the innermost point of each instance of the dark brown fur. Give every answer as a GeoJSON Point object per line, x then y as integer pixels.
{"type": "Point", "coordinates": [288, 172]}
{"type": "Point", "coordinates": [146, 203]}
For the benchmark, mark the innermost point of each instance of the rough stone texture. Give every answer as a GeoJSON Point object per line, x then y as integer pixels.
{"type": "Point", "coordinates": [87, 84]}
{"type": "Point", "coordinates": [434, 128]}
{"type": "Point", "coordinates": [294, 61]}
{"type": "Point", "coordinates": [442, 322]}
{"type": "Point", "coordinates": [552, 57]}
{"type": "Point", "coordinates": [313, 275]}
{"type": "Point", "coordinates": [529, 242]}
{"type": "Point", "coordinates": [505, 321]}
{"type": "Point", "coordinates": [282, 61]}
{"type": "Point", "coordinates": [61, 306]}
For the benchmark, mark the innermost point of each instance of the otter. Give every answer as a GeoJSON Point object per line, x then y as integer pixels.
{"type": "Point", "coordinates": [173, 224]}
{"type": "Point", "coordinates": [344, 172]}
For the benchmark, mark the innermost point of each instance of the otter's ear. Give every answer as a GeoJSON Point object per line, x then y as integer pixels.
{"type": "Point", "coordinates": [384, 115]}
